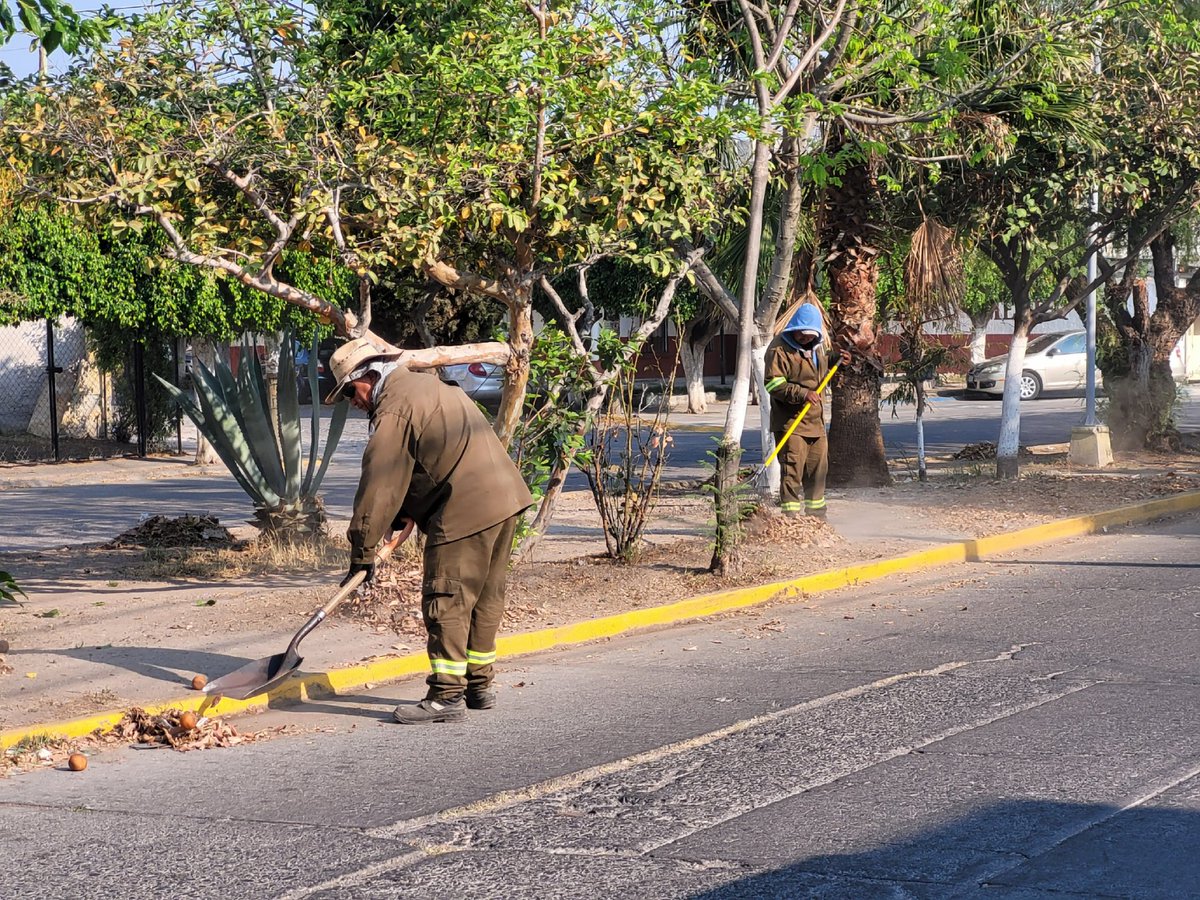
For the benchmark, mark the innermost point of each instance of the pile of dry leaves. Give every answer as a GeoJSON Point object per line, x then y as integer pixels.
{"type": "Point", "coordinates": [170, 729]}
{"type": "Point", "coordinates": [185, 531]}
{"type": "Point", "coordinates": [794, 532]}
{"type": "Point", "coordinates": [985, 450]}
{"type": "Point", "coordinates": [139, 728]}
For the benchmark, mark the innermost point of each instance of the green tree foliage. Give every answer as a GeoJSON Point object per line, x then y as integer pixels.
{"type": "Point", "coordinates": [530, 139]}
{"type": "Point", "coordinates": [125, 293]}
{"type": "Point", "coordinates": [51, 24]}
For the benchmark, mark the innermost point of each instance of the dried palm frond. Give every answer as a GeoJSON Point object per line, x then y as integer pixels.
{"type": "Point", "coordinates": [933, 272]}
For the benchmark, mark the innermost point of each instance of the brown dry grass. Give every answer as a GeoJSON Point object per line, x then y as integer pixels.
{"type": "Point", "coordinates": [260, 557]}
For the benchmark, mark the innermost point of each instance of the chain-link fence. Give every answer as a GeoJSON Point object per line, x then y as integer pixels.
{"type": "Point", "coordinates": [57, 402]}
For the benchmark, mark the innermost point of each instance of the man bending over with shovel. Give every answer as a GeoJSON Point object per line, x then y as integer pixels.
{"type": "Point", "coordinates": [432, 460]}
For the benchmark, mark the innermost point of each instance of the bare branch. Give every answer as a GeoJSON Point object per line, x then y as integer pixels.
{"type": "Point", "coordinates": [810, 54]}
{"type": "Point", "coordinates": [779, 39]}
{"type": "Point", "coordinates": [568, 319]}
{"type": "Point", "coordinates": [715, 291]}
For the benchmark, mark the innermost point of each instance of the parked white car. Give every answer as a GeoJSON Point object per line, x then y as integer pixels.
{"type": "Point", "coordinates": [1053, 362]}
{"type": "Point", "coordinates": [482, 382]}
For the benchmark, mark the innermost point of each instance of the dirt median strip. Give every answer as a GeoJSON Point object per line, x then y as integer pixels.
{"type": "Point", "coordinates": [336, 681]}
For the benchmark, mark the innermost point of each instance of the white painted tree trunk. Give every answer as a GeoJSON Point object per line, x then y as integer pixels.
{"type": "Point", "coordinates": [921, 467]}
{"type": "Point", "coordinates": [978, 342]}
{"type": "Point", "coordinates": [768, 482]}
{"type": "Point", "coordinates": [726, 560]}
{"type": "Point", "coordinates": [692, 359]}
{"type": "Point", "coordinates": [1008, 446]}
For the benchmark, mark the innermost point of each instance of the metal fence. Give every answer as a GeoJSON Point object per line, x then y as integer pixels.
{"type": "Point", "coordinates": [58, 403]}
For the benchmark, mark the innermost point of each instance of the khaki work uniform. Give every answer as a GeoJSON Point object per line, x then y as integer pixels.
{"type": "Point", "coordinates": [433, 457]}
{"type": "Point", "coordinates": [804, 460]}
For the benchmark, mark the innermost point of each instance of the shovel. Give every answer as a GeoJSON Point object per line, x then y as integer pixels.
{"type": "Point", "coordinates": [263, 674]}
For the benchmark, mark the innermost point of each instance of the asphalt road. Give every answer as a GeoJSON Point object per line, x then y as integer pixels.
{"type": "Point", "coordinates": [1025, 728]}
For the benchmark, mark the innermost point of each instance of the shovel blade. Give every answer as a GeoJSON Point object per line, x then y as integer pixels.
{"type": "Point", "coordinates": [254, 677]}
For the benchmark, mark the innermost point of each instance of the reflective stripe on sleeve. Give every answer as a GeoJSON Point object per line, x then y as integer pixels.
{"type": "Point", "coordinates": [774, 383]}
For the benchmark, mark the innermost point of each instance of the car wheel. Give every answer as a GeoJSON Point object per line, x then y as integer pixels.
{"type": "Point", "coordinates": [1031, 386]}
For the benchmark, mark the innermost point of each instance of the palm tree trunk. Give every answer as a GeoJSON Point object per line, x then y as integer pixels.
{"type": "Point", "coordinates": [856, 455]}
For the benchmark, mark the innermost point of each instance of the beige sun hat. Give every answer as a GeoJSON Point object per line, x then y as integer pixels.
{"type": "Point", "coordinates": [352, 356]}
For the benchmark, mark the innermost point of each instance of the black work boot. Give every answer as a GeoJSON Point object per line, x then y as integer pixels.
{"type": "Point", "coordinates": [480, 698]}
{"type": "Point", "coordinates": [431, 709]}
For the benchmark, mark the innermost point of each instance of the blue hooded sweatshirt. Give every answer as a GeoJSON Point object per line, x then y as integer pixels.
{"type": "Point", "coordinates": [806, 318]}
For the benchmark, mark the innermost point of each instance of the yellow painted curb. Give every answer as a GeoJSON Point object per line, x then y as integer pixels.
{"type": "Point", "coordinates": [339, 681]}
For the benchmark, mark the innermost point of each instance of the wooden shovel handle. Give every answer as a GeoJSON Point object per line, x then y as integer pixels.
{"type": "Point", "coordinates": [359, 577]}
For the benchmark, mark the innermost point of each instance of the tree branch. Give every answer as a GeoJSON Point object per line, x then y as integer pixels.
{"type": "Point", "coordinates": [448, 276]}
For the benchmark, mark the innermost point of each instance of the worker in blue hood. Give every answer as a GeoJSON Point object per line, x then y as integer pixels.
{"type": "Point", "coordinates": [797, 363]}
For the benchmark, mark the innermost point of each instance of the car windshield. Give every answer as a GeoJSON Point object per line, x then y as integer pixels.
{"type": "Point", "coordinates": [1041, 342]}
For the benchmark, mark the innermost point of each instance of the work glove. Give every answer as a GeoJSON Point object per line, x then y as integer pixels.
{"type": "Point", "coordinates": [355, 568]}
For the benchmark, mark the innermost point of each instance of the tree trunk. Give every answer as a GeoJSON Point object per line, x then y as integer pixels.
{"type": "Point", "coordinates": [768, 480]}
{"type": "Point", "coordinates": [204, 351]}
{"type": "Point", "coordinates": [697, 334]}
{"type": "Point", "coordinates": [979, 326]}
{"type": "Point", "coordinates": [726, 499]}
{"type": "Point", "coordinates": [922, 472]}
{"type": "Point", "coordinates": [1008, 447]}
{"type": "Point", "coordinates": [855, 441]}
{"type": "Point", "coordinates": [1142, 394]}
{"type": "Point", "coordinates": [558, 478]}
{"type": "Point", "coordinates": [516, 372]}
{"type": "Point", "coordinates": [856, 455]}
{"type": "Point", "coordinates": [1142, 402]}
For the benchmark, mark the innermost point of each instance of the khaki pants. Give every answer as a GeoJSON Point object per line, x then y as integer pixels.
{"type": "Point", "coordinates": [462, 601]}
{"type": "Point", "coordinates": [803, 464]}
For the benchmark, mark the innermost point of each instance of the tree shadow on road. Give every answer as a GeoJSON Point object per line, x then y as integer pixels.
{"type": "Point", "coordinates": [1019, 848]}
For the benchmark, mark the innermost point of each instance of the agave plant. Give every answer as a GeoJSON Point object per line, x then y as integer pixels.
{"type": "Point", "coordinates": [261, 450]}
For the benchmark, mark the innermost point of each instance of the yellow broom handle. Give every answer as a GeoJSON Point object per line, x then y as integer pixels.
{"type": "Point", "coordinates": [804, 412]}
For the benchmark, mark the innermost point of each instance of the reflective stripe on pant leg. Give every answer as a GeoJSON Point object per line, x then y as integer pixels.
{"type": "Point", "coordinates": [814, 504]}
{"type": "Point", "coordinates": [816, 467]}
{"type": "Point", "coordinates": [447, 666]}
{"type": "Point", "coordinates": [453, 577]}
{"type": "Point", "coordinates": [791, 471]}
{"type": "Point", "coordinates": [489, 609]}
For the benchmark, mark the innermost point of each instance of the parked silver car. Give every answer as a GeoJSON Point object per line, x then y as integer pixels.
{"type": "Point", "coordinates": [1053, 362]}
{"type": "Point", "coordinates": [482, 382]}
